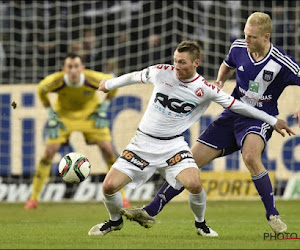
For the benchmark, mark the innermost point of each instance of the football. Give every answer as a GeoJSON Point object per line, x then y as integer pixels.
{"type": "Point", "coordinates": [74, 167]}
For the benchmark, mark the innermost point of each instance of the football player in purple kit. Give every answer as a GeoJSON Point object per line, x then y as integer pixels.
{"type": "Point", "coordinates": [262, 72]}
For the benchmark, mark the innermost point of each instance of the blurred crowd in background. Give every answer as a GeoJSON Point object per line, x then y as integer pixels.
{"type": "Point", "coordinates": [123, 36]}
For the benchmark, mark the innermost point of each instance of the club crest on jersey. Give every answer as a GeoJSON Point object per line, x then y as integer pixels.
{"type": "Point", "coordinates": [199, 92]}
{"type": "Point", "coordinates": [268, 75]}
{"type": "Point", "coordinates": [298, 74]}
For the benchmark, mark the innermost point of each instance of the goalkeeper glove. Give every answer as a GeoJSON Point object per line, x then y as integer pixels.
{"type": "Point", "coordinates": [53, 125]}
{"type": "Point", "coordinates": [100, 115]}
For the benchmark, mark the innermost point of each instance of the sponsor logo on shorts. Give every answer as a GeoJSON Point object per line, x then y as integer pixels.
{"type": "Point", "coordinates": [134, 159]}
{"type": "Point", "coordinates": [179, 157]}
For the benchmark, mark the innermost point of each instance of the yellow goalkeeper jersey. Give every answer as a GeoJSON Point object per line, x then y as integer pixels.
{"type": "Point", "coordinates": [73, 102]}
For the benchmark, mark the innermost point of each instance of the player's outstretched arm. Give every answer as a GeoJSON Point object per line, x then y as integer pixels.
{"type": "Point", "coordinates": [247, 110]}
{"type": "Point", "coordinates": [123, 80]}
{"type": "Point", "coordinates": [282, 125]}
{"type": "Point", "coordinates": [297, 116]}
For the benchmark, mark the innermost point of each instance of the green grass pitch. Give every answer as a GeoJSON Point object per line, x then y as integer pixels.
{"type": "Point", "coordinates": [240, 224]}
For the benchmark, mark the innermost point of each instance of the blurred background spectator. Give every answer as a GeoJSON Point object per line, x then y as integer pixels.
{"type": "Point", "coordinates": [130, 35]}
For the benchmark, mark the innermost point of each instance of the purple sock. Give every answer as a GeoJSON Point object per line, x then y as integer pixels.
{"type": "Point", "coordinates": [264, 188]}
{"type": "Point", "coordinates": [162, 197]}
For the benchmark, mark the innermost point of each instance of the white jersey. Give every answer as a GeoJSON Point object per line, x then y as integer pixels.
{"type": "Point", "coordinates": [175, 105]}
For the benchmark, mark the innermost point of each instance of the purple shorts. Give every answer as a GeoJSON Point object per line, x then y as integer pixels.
{"type": "Point", "coordinates": [230, 129]}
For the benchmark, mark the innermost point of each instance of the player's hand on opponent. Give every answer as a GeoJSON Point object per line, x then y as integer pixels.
{"type": "Point", "coordinates": [100, 115]}
{"type": "Point", "coordinates": [280, 125]}
{"type": "Point", "coordinates": [297, 116]}
{"type": "Point", "coordinates": [220, 84]}
{"type": "Point", "coordinates": [53, 125]}
{"type": "Point", "coordinates": [102, 86]}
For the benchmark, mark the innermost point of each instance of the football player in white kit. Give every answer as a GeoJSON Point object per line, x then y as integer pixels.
{"type": "Point", "coordinates": [263, 71]}
{"type": "Point", "coordinates": [180, 96]}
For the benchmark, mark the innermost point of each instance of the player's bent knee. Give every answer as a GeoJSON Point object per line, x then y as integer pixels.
{"type": "Point", "coordinates": [248, 159]}
{"type": "Point", "coordinates": [50, 151]}
{"type": "Point", "coordinates": [195, 190]}
{"type": "Point", "coordinates": [45, 161]}
{"type": "Point", "coordinates": [252, 162]}
{"type": "Point", "coordinates": [109, 187]}
{"type": "Point", "coordinates": [194, 187]}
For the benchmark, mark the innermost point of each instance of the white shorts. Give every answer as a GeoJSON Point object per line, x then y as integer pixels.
{"type": "Point", "coordinates": [144, 155]}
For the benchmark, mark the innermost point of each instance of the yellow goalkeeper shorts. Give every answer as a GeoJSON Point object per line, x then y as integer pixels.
{"type": "Point", "coordinates": [87, 127]}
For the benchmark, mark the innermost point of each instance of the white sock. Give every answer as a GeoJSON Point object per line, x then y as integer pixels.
{"type": "Point", "coordinates": [113, 204]}
{"type": "Point", "coordinates": [198, 205]}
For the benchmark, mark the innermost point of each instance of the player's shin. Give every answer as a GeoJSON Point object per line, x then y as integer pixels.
{"type": "Point", "coordinates": [41, 174]}
{"type": "Point", "coordinates": [109, 162]}
{"type": "Point", "coordinates": [162, 197]}
{"type": "Point", "coordinates": [264, 188]}
{"type": "Point", "coordinates": [198, 205]}
{"type": "Point", "coordinates": [113, 204]}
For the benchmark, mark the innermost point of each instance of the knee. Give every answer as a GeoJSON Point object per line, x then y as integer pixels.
{"type": "Point", "coordinates": [108, 187]}
{"type": "Point", "coordinates": [105, 146]}
{"type": "Point", "coordinates": [45, 161]}
{"type": "Point", "coordinates": [49, 154]}
{"type": "Point", "coordinates": [194, 187]}
{"type": "Point", "coordinates": [249, 159]}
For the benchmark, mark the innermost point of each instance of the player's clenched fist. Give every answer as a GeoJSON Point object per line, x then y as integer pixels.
{"type": "Point", "coordinates": [102, 86]}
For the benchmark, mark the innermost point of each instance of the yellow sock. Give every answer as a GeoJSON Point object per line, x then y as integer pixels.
{"type": "Point", "coordinates": [39, 178]}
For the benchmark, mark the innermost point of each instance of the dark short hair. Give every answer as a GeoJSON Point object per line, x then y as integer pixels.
{"type": "Point", "coordinates": [192, 47]}
{"type": "Point", "coordinates": [72, 55]}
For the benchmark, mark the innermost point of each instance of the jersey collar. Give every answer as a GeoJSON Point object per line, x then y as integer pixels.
{"type": "Point", "coordinates": [78, 84]}
{"type": "Point", "coordinates": [264, 59]}
{"type": "Point", "coordinates": [191, 79]}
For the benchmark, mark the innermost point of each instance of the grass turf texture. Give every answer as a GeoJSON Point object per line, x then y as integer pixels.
{"type": "Point", "coordinates": [240, 224]}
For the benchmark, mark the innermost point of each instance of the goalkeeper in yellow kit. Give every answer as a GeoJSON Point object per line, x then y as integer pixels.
{"type": "Point", "coordinates": [77, 108]}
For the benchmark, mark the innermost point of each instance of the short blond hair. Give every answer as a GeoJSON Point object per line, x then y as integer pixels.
{"type": "Point", "coordinates": [192, 47]}
{"type": "Point", "coordinates": [262, 21]}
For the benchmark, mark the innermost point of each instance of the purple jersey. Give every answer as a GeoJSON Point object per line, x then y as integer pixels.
{"type": "Point", "coordinates": [261, 83]}
{"type": "Point", "coordinates": [257, 83]}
